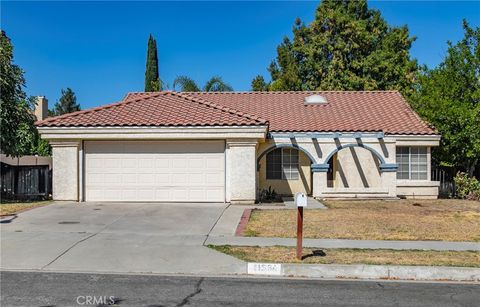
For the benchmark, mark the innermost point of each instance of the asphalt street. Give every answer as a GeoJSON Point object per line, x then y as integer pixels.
{"type": "Point", "coordinates": [82, 289]}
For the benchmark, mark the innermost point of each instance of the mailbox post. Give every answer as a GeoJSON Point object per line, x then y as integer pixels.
{"type": "Point", "coordinates": [300, 202]}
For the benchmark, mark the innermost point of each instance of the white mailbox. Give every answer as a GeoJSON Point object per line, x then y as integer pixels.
{"type": "Point", "coordinates": [300, 199]}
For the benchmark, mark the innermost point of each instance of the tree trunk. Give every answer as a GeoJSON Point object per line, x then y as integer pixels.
{"type": "Point", "coordinates": [471, 168]}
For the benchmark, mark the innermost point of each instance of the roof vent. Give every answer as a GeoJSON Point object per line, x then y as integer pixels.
{"type": "Point", "coordinates": [315, 99]}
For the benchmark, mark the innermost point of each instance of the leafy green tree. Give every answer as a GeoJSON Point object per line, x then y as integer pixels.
{"type": "Point", "coordinates": [67, 103]}
{"type": "Point", "coordinates": [347, 47]}
{"type": "Point", "coordinates": [449, 98]}
{"type": "Point", "coordinates": [16, 111]}
{"type": "Point", "coordinates": [214, 84]}
{"type": "Point", "coordinates": [40, 146]}
{"type": "Point", "coordinates": [152, 80]}
{"type": "Point", "coordinates": [259, 84]}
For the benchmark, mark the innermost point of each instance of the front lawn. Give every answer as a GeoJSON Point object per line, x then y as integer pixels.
{"type": "Point", "coordinates": [443, 219]}
{"type": "Point", "coordinates": [280, 254]}
{"type": "Point", "coordinates": [10, 208]}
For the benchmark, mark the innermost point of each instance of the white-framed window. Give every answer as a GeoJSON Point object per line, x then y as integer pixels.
{"type": "Point", "coordinates": [412, 163]}
{"type": "Point", "coordinates": [282, 163]}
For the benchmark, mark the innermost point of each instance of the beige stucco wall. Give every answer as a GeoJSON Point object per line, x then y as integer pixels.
{"type": "Point", "coordinates": [240, 171]}
{"type": "Point", "coordinates": [417, 189]}
{"type": "Point", "coordinates": [287, 187]}
{"type": "Point", "coordinates": [65, 176]}
{"type": "Point", "coordinates": [356, 167]}
{"type": "Point", "coordinates": [378, 184]}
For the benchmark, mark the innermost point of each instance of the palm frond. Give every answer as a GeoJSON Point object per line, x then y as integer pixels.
{"type": "Point", "coordinates": [185, 84]}
{"type": "Point", "coordinates": [216, 84]}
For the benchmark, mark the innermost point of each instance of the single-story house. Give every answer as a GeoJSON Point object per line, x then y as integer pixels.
{"type": "Point", "coordinates": [227, 147]}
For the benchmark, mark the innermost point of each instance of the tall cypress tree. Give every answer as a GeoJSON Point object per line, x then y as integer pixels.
{"type": "Point", "coordinates": [152, 81]}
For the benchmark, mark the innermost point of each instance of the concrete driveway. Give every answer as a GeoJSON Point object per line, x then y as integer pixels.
{"type": "Point", "coordinates": [115, 237]}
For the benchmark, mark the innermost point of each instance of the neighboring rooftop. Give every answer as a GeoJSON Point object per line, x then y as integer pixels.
{"type": "Point", "coordinates": [343, 111]}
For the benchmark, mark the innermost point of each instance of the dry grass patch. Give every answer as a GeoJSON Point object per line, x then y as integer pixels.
{"type": "Point", "coordinates": [12, 208]}
{"type": "Point", "coordinates": [445, 220]}
{"type": "Point", "coordinates": [353, 256]}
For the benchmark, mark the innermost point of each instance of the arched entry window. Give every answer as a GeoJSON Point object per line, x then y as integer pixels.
{"type": "Point", "coordinates": [282, 163]}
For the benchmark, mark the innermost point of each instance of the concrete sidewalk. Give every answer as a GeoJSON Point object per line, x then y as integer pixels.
{"type": "Point", "coordinates": [337, 243]}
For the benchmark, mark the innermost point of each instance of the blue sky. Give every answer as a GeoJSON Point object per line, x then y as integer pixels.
{"type": "Point", "coordinates": [98, 48]}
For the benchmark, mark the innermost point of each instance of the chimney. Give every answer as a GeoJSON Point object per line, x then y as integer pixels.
{"type": "Point", "coordinates": [41, 109]}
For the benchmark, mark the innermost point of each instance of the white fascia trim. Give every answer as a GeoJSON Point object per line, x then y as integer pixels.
{"type": "Point", "coordinates": [125, 133]}
{"type": "Point", "coordinates": [417, 140]}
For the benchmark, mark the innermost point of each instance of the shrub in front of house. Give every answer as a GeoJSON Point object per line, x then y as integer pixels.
{"type": "Point", "coordinates": [268, 196]}
{"type": "Point", "coordinates": [467, 187]}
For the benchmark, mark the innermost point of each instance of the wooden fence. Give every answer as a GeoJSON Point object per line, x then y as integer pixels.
{"type": "Point", "coordinates": [25, 182]}
{"type": "Point", "coordinates": [447, 187]}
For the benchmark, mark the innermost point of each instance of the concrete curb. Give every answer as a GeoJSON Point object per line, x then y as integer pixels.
{"type": "Point", "coordinates": [367, 271]}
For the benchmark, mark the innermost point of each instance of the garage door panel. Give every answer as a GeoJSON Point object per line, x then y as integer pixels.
{"type": "Point", "coordinates": [145, 195]}
{"type": "Point", "coordinates": [146, 179]}
{"type": "Point", "coordinates": [180, 193]}
{"type": "Point", "coordinates": [212, 179]}
{"type": "Point", "coordinates": [97, 178]}
{"type": "Point", "coordinates": [128, 179]}
{"type": "Point", "coordinates": [197, 194]}
{"type": "Point", "coordinates": [162, 179]}
{"type": "Point", "coordinates": [154, 171]}
{"type": "Point", "coordinates": [179, 179]}
{"type": "Point", "coordinates": [162, 163]}
{"type": "Point", "coordinates": [128, 195]}
{"type": "Point", "coordinates": [196, 179]}
{"type": "Point", "coordinates": [146, 163]}
{"type": "Point", "coordinates": [215, 192]}
{"type": "Point", "coordinates": [96, 163]}
{"type": "Point", "coordinates": [213, 164]}
{"type": "Point", "coordinates": [112, 179]}
{"type": "Point", "coordinates": [111, 163]}
{"type": "Point", "coordinates": [180, 163]}
{"type": "Point", "coordinates": [129, 163]}
{"type": "Point", "coordinates": [162, 194]}
{"type": "Point", "coordinates": [196, 163]}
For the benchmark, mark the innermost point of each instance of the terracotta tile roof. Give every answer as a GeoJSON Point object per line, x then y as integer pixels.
{"type": "Point", "coordinates": [156, 109]}
{"type": "Point", "coordinates": [345, 111]}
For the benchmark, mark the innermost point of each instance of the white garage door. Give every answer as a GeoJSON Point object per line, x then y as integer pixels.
{"type": "Point", "coordinates": [191, 171]}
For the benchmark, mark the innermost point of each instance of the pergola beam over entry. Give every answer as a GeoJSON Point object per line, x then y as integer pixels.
{"type": "Point", "coordinates": [325, 135]}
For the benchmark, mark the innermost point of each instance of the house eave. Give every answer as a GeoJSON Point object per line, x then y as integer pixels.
{"type": "Point", "coordinates": [138, 132]}
{"type": "Point", "coordinates": [417, 140]}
